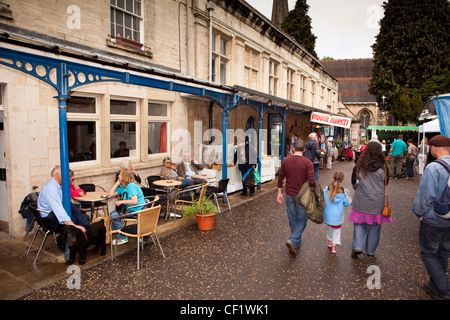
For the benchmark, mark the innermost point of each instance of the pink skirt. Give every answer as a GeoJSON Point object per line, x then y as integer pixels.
{"type": "Point", "coordinates": [360, 217]}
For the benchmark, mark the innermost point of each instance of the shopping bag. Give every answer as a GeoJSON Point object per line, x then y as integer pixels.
{"type": "Point", "coordinates": [257, 177]}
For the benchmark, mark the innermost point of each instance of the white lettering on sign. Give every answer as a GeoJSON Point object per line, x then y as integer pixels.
{"type": "Point", "coordinates": [330, 120]}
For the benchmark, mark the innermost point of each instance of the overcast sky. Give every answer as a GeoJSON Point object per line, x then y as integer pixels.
{"type": "Point", "coordinates": [345, 29]}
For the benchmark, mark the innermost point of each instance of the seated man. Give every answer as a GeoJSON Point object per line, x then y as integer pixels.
{"type": "Point", "coordinates": [189, 167]}
{"type": "Point", "coordinates": [170, 173]}
{"type": "Point", "coordinates": [50, 200]}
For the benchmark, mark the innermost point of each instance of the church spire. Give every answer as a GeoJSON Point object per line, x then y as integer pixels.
{"type": "Point", "coordinates": [280, 10]}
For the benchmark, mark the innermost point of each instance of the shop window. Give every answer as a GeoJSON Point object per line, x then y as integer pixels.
{"type": "Point", "coordinates": [123, 128]}
{"type": "Point", "coordinates": [157, 128]}
{"type": "Point", "coordinates": [82, 125]}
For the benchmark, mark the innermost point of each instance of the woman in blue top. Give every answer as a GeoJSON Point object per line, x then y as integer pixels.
{"type": "Point", "coordinates": [336, 199]}
{"type": "Point", "coordinates": [130, 194]}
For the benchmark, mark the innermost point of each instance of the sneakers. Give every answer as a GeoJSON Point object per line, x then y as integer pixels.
{"type": "Point", "coordinates": [121, 241]}
{"type": "Point", "coordinates": [334, 248]}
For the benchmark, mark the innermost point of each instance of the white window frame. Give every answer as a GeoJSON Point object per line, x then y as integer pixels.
{"type": "Point", "coordinates": [126, 118]}
{"type": "Point", "coordinates": [165, 119]}
{"type": "Point", "coordinates": [114, 8]}
{"type": "Point", "coordinates": [290, 84]}
{"type": "Point", "coordinates": [274, 77]}
{"type": "Point", "coordinates": [220, 57]}
{"type": "Point", "coordinates": [88, 117]}
{"type": "Point", "coordinates": [251, 68]}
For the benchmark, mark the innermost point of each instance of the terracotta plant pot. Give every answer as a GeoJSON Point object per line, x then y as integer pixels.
{"type": "Point", "coordinates": [205, 222]}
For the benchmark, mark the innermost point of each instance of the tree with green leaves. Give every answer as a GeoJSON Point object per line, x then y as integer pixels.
{"type": "Point", "coordinates": [411, 48]}
{"type": "Point", "coordinates": [298, 25]}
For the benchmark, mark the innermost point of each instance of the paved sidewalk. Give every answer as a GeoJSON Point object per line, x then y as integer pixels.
{"type": "Point", "coordinates": [19, 276]}
{"type": "Point", "coordinates": [245, 258]}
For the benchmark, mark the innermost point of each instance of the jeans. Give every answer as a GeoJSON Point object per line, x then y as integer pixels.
{"type": "Point", "coordinates": [117, 224]}
{"type": "Point", "coordinates": [77, 218]}
{"type": "Point", "coordinates": [366, 237]}
{"type": "Point", "coordinates": [316, 170]}
{"type": "Point", "coordinates": [434, 246]}
{"type": "Point", "coordinates": [410, 167]}
{"type": "Point", "coordinates": [297, 220]}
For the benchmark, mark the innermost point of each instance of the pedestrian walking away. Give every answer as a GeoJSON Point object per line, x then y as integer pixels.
{"type": "Point", "coordinates": [336, 198]}
{"type": "Point", "coordinates": [246, 158]}
{"type": "Point", "coordinates": [312, 152]}
{"type": "Point", "coordinates": [329, 152]}
{"type": "Point", "coordinates": [410, 159]}
{"type": "Point", "coordinates": [397, 152]}
{"type": "Point", "coordinates": [434, 231]}
{"type": "Point", "coordinates": [297, 169]}
{"type": "Point", "coordinates": [368, 181]}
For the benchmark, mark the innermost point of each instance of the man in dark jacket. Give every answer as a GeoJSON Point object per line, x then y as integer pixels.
{"type": "Point", "coordinates": [312, 152]}
{"type": "Point", "coordinates": [246, 158]}
{"type": "Point", "coordinates": [297, 169]}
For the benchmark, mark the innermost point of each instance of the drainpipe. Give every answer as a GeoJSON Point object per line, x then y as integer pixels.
{"type": "Point", "coordinates": [210, 6]}
{"type": "Point", "coordinates": [188, 30]}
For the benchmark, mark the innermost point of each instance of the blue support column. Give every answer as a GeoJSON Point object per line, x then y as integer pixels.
{"type": "Point", "coordinates": [224, 143]}
{"type": "Point", "coordinates": [261, 113]}
{"type": "Point", "coordinates": [283, 124]}
{"type": "Point", "coordinates": [224, 133]}
{"type": "Point", "coordinates": [64, 154]}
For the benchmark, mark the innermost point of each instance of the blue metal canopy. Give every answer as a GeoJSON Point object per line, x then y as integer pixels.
{"type": "Point", "coordinates": [65, 75]}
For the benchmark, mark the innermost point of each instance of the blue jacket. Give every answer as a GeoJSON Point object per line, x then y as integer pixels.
{"type": "Point", "coordinates": [430, 189]}
{"type": "Point", "coordinates": [334, 210]}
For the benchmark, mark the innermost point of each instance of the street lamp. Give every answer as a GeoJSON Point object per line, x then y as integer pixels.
{"type": "Point", "coordinates": [383, 112]}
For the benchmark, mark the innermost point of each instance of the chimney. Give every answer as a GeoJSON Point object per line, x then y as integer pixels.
{"type": "Point", "coordinates": [280, 10]}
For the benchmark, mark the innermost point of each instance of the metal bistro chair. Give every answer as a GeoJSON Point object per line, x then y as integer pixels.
{"type": "Point", "coordinates": [220, 192]}
{"type": "Point", "coordinates": [42, 227]}
{"type": "Point", "coordinates": [146, 225]}
{"type": "Point", "coordinates": [86, 205]}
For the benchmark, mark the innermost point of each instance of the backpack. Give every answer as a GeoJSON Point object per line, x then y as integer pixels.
{"type": "Point", "coordinates": [442, 207]}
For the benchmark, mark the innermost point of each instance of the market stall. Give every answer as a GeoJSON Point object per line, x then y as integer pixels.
{"type": "Point", "coordinates": [212, 154]}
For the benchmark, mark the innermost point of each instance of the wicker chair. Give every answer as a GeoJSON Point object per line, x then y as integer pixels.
{"type": "Point", "coordinates": [146, 225]}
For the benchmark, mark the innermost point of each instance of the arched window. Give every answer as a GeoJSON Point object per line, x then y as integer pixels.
{"type": "Point", "coordinates": [365, 118]}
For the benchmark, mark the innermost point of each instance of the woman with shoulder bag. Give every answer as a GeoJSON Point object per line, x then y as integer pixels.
{"type": "Point", "coordinates": [369, 180]}
{"type": "Point", "coordinates": [130, 194]}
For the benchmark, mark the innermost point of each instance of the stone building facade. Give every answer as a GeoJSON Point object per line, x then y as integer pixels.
{"type": "Point", "coordinates": [225, 46]}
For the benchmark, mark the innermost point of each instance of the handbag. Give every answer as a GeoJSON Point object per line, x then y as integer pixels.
{"type": "Point", "coordinates": [387, 208]}
{"type": "Point", "coordinates": [121, 209]}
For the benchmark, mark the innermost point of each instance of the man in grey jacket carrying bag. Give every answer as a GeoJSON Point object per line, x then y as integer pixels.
{"type": "Point", "coordinates": [434, 232]}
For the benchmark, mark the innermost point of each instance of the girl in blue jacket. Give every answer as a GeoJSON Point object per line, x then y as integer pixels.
{"type": "Point", "coordinates": [335, 199]}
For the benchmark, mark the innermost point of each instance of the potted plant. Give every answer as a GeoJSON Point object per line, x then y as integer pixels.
{"type": "Point", "coordinates": [205, 211]}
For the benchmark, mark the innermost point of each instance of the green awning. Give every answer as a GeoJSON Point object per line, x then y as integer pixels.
{"type": "Point", "coordinates": [393, 128]}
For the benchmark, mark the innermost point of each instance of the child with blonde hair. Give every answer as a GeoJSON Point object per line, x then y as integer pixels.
{"type": "Point", "coordinates": [336, 199]}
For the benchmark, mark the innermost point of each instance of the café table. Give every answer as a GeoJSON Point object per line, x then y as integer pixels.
{"type": "Point", "coordinates": [93, 197]}
{"type": "Point", "coordinates": [167, 184]}
{"type": "Point", "coordinates": [204, 176]}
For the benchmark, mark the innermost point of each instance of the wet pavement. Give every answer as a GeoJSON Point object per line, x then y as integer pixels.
{"type": "Point", "coordinates": [245, 258]}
